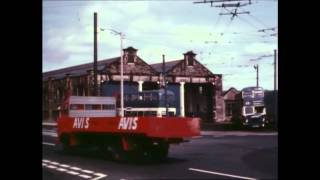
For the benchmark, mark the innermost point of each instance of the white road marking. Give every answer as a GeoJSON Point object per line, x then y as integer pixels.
{"type": "Point", "coordinates": [49, 124]}
{"type": "Point", "coordinates": [73, 172]}
{"type": "Point", "coordinates": [64, 165]}
{"type": "Point", "coordinates": [53, 134]}
{"type": "Point", "coordinates": [54, 163]}
{"type": "Point", "coordinates": [87, 171]}
{"type": "Point", "coordinates": [221, 174]}
{"type": "Point", "coordinates": [50, 144]}
{"type": "Point", "coordinates": [75, 168]}
{"type": "Point", "coordinates": [61, 169]}
{"type": "Point", "coordinates": [52, 167]}
{"type": "Point", "coordinates": [85, 176]}
{"type": "Point", "coordinates": [100, 175]}
{"type": "Point", "coordinates": [69, 169]}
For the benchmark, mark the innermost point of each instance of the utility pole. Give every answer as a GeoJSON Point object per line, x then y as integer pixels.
{"type": "Point", "coordinates": [275, 70]}
{"type": "Point", "coordinates": [165, 84]}
{"type": "Point", "coordinates": [95, 55]}
{"type": "Point", "coordinates": [275, 90]}
{"type": "Point", "coordinates": [256, 67]}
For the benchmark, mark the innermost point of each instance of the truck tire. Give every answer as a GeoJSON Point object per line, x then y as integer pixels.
{"type": "Point", "coordinates": [65, 143]}
{"type": "Point", "coordinates": [104, 151]}
{"type": "Point", "coordinates": [160, 153]}
{"type": "Point", "coordinates": [117, 152]}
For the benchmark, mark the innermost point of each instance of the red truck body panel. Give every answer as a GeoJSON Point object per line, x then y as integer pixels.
{"type": "Point", "coordinates": [153, 127]}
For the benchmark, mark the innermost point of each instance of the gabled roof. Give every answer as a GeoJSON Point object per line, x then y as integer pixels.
{"type": "Point", "coordinates": [82, 69]}
{"type": "Point", "coordinates": [230, 89]}
{"type": "Point", "coordinates": [168, 65]}
{"type": "Point", "coordinates": [77, 70]}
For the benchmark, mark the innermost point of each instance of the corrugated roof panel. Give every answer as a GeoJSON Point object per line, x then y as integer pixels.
{"type": "Point", "coordinates": [168, 65]}
{"type": "Point", "coordinates": [76, 70]}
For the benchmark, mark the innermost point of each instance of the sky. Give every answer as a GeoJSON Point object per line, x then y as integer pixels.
{"type": "Point", "coordinates": [156, 27]}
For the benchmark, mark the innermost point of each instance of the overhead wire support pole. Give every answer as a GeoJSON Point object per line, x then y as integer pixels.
{"type": "Point", "coordinates": [275, 70]}
{"type": "Point", "coordinates": [95, 56]}
{"type": "Point", "coordinates": [256, 67]}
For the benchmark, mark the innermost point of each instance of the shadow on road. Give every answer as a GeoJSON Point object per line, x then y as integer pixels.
{"type": "Point", "coordinates": [94, 153]}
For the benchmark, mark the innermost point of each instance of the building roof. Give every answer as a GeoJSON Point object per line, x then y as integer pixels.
{"type": "Point", "coordinates": [83, 69]}
{"type": "Point", "coordinates": [77, 70]}
{"type": "Point", "coordinates": [230, 89]}
{"type": "Point", "coordinates": [168, 65]}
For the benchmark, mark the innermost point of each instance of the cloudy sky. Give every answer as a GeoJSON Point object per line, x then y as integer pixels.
{"type": "Point", "coordinates": [156, 27]}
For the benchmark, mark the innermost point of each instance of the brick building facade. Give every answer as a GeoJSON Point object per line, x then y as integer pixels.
{"type": "Point", "coordinates": [198, 89]}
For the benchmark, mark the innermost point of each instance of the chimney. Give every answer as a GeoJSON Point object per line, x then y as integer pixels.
{"type": "Point", "coordinates": [130, 55]}
{"type": "Point", "coordinates": [189, 58]}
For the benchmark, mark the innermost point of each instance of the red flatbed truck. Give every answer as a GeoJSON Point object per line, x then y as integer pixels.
{"type": "Point", "coordinates": [94, 121]}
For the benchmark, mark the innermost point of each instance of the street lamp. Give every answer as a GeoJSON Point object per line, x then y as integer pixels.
{"type": "Point", "coordinates": [121, 69]}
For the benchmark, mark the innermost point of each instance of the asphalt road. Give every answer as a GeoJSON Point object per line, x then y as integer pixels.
{"type": "Point", "coordinates": [219, 155]}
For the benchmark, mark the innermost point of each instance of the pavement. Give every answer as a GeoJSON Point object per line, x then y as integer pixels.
{"type": "Point", "coordinates": [213, 155]}
{"type": "Point", "coordinates": [216, 154]}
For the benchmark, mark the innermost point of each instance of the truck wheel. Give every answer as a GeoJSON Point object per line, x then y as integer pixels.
{"type": "Point", "coordinates": [160, 152]}
{"type": "Point", "coordinates": [105, 151]}
{"type": "Point", "coordinates": [65, 142]}
{"type": "Point", "coordinates": [117, 153]}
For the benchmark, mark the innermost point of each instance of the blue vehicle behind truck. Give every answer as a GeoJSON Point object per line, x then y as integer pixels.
{"type": "Point", "coordinates": [253, 108]}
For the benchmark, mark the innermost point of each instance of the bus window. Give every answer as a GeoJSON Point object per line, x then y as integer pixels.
{"type": "Point", "coordinates": [93, 106]}
{"type": "Point", "coordinates": [76, 106]}
{"type": "Point", "coordinates": [108, 106]}
{"type": "Point", "coordinates": [246, 94]}
{"type": "Point", "coordinates": [259, 109]}
{"type": "Point", "coordinates": [96, 106]}
{"type": "Point", "coordinates": [258, 95]}
{"type": "Point", "coordinates": [88, 107]}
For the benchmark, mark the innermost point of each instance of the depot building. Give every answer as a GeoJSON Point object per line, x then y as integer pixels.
{"type": "Point", "coordinates": [197, 90]}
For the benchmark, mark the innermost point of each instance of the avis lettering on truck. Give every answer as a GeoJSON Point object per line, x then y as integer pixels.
{"type": "Point", "coordinates": [141, 132]}
{"type": "Point", "coordinates": [253, 108]}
